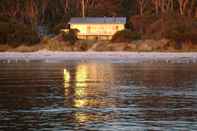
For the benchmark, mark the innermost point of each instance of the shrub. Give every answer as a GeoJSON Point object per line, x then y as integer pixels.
{"type": "Point", "coordinates": [45, 40]}
{"type": "Point", "coordinates": [57, 28]}
{"type": "Point", "coordinates": [4, 47]}
{"type": "Point", "coordinates": [26, 48]}
{"type": "Point", "coordinates": [125, 36]}
{"type": "Point", "coordinates": [181, 31]}
{"type": "Point", "coordinates": [84, 45]}
{"type": "Point", "coordinates": [71, 36]}
{"type": "Point", "coordinates": [178, 33]}
{"type": "Point", "coordinates": [54, 45]}
{"type": "Point", "coordinates": [12, 32]}
{"type": "Point", "coordinates": [142, 23]}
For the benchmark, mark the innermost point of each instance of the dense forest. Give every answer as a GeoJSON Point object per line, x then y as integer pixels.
{"type": "Point", "coordinates": [23, 20]}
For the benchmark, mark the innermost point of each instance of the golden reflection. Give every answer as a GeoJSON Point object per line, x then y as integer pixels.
{"type": "Point", "coordinates": [80, 103]}
{"type": "Point", "coordinates": [66, 75]}
{"type": "Point", "coordinates": [81, 117]}
{"type": "Point", "coordinates": [81, 75]}
{"type": "Point", "coordinates": [80, 87]}
{"type": "Point", "coordinates": [66, 81]}
{"type": "Point", "coordinates": [80, 91]}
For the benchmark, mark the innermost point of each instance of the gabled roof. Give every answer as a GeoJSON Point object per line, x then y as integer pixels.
{"type": "Point", "coordinates": [98, 20]}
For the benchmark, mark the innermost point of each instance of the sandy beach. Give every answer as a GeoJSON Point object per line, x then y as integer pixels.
{"type": "Point", "coordinates": [131, 57]}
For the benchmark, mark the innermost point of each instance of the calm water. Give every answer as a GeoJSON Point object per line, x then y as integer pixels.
{"type": "Point", "coordinates": [51, 96]}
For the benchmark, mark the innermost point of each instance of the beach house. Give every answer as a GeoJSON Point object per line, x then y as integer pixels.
{"type": "Point", "coordinates": [97, 28]}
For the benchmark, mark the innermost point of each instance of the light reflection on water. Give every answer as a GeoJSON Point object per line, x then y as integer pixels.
{"type": "Point", "coordinates": [98, 96]}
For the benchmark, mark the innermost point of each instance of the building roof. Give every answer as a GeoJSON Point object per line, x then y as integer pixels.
{"type": "Point", "coordinates": [98, 20]}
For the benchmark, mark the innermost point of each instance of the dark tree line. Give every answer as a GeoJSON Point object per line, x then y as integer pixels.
{"type": "Point", "coordinates": [25, 14]}
{"type": "Point", "coordinates": [47, 10]}
{"type": "Point", "coordinates": [182, 7]}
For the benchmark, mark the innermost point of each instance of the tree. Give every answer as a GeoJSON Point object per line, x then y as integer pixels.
{"type": "Point", "coordinates": [182, 6]}
{"type": "Point", "coordinates": [71, 36]}
{"type": "Point", "coordinates": [157, 4]}
{"type": "Point", "coordinates": [142, 5]}
{"type": "Point", "coordinates": [163, 6]}
{"type": "Point", "coordinates": [103, 7]}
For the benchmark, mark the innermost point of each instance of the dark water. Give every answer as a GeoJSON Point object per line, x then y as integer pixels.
{"type": "Point", "coordinates": [48, 96]}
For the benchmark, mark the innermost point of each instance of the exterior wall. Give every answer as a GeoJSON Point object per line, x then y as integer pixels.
{"type": "Point", "coordinates": [97, 31]}
{"type": "Point", "coordinates": [94, 37]}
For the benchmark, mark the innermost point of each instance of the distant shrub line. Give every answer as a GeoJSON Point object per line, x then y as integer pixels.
{"type": "Point", "coordinates": [11, 31]}
{"type": "Point", "coordinates": [125, 36]}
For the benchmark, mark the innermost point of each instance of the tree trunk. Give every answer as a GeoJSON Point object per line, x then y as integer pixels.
{"type": "Point", "coordinates": [141, 6]}
{"type": "Point", "coordinates": [183, 6]}
{"type": "Point", "coordinates": [83, 8]}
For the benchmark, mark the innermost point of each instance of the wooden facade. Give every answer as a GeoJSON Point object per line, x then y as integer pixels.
{"type": "Point", "coordinates": [97, 28]}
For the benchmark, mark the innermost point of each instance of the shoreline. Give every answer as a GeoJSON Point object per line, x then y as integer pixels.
{"type": "Point", "coordinates": [130, 57]}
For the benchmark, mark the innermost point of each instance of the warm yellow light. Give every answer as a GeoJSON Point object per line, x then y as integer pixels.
{"type": "Point", "coordinates": [81, 117]}
{"type": "Point", "coordinates": [80, 103]}
{"type": "Point", "coordinates": [66, 80]}
{"type": "Point", "coordinates": [81, 76]}
{"type": "Point", "coordinates": [66, 75]}
{"type": "Point", "coordinates": [80, 91]}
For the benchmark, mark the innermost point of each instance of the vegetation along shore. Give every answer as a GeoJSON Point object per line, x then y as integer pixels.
{"type": "Point", "coordinates": [151, 25]}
